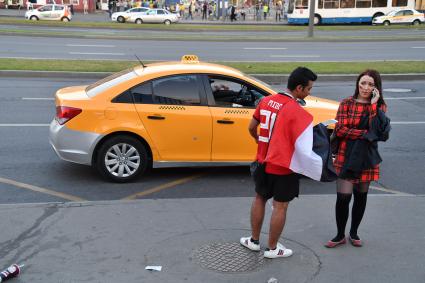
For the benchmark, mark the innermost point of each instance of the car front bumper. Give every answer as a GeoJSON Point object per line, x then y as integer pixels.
{"type": "Point", "coordinates": [73, 146]}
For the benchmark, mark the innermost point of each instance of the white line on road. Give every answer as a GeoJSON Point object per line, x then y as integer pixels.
{"type": "Point", "coordinates": [265, 48]}
{"type": "Point", "coordinates": [408, 123]}
{"type": "Point", "coordinates": [89, 45]}
{"type": "Point", "coordinates": [89, 53]}
{"type": "Point", "coordinates": [401, 98]}
{"type": "Point", "coordinates": [38, 98]}
{"type": "Point", "coordinates": [295, 56]}
{"type": "Point", "coordinates": [390, 191]}
{"type": "Point", "coordinates": [418, 47]}
{"type": "Point", "coordinates": [24, 125]}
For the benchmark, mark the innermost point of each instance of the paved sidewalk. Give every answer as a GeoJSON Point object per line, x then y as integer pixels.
{"type": "Point", "coordinates": [103, 16]}
{"type": "Point", "coordinates": [196, 240]}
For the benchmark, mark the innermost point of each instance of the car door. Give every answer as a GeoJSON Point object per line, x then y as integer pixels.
{"type": "Point", "coordinates": [408, 16]}
{"type": "Point", "coordinates": [232, 103]}
{"type": "Point", "coordinates": [398, 17]}
{"type": "Point", "coordinates": [149, 17]}
{"type": "Point", "coordinates": [46, 12]}
{"type": "Point", "coordinates": [174, 112]}
{"type": "Point", "coordinates": [161, 16]}
{"type": "Point", "coordinates": [57, 12]}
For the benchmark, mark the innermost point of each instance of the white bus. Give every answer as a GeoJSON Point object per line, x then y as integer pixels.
{"type": "Point", "coordinates": [343, 11]}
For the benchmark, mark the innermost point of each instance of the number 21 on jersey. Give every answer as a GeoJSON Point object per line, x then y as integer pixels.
{"type": "Point", "coordinates": [267, 125]}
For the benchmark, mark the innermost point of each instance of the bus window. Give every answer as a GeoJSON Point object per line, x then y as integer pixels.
{"type": "Point", "coordinates": [363, 4]}
{"type": "Point", "coordinates": [320, 4]}
{"type": "Point", "coordinates": [331, 4]}
{"type": "Point", "coordinates": [301, 4]}
{"type": "Point", "coordinates": [399, 3]}
{"type": "Point", "coordinates": [348, 3]}
{"type": "Point", "coordinates": [379, 3]}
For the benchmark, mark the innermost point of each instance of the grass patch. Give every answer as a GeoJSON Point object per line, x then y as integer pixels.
{"type": "Point", "coordinates": [385, 67]}
{"type": "Point", "coordinates": [216, 26]}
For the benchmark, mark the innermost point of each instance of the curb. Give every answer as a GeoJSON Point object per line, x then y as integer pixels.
{"type": "Point", "coordinates": [268, 78]}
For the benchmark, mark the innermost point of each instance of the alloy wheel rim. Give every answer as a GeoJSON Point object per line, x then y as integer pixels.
{"type": "Point", "coordinates": [122, 160]}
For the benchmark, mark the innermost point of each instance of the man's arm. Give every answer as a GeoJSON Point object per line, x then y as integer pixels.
{"type": "Point", "coordinates": [252, 128]}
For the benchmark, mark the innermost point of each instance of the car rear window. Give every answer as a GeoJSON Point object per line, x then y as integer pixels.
{"type": "Point", "coordinates": [110, 81]}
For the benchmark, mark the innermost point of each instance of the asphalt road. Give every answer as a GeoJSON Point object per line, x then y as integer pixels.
{"type": "Point", "coordinates": [31, 172]}
{"type": "Point", "coordinates": [85, 49]}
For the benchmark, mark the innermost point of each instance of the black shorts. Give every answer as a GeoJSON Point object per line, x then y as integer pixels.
{"type": "Point", "coordinates": [282, 188]}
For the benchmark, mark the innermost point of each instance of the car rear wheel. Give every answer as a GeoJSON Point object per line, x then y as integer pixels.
{"type": "Point", "coordinates": [34, 18]}
{"type": "Point", "coordinates": [122, 158]}
{"type": "Point", "coordinates": [167, 22]}
{"type": "Point", "coordinates": [139, 21]}
{"type": "Point", "coordinates": [65, 19]}
{"type": "Point", "coordinates": [416, 22]}
{"type": "Point", "coordinates": [387, 23]}
{"type": "Point", "coordinates": [121, 19]}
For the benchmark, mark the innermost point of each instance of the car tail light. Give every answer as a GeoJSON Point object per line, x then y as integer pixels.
{"type": "Point", "coordinates": [65, 113]}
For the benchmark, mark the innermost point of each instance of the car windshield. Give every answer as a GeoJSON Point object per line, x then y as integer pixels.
{"type": "Point", "coordinates": [392, 13]}
{"type": "Point", "coordinates": [110, 81]}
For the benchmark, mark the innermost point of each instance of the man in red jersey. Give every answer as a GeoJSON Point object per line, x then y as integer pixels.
{"type": "Point", "coordinates": [284, 145]}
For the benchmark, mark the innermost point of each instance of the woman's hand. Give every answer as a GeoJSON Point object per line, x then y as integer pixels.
{"type": "Point", "coordinates": [375, 96]}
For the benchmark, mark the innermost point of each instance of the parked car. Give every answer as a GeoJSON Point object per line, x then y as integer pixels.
{"type": "Point", "coordinates": [186, 111]}
{"type": "Point", "coordinates": [405, 16]}
{"type": "Point", "coordinates": [50, 12]}
{"type": "Point", "coordinates": [122, 17]}
{"type": "Point", "coordinates": [155, 16]}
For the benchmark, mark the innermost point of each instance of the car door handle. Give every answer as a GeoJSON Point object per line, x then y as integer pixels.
{"type": "Point", "coordinates": [154, 117]}
{"type": "Point", "coordinates": [225, 121]}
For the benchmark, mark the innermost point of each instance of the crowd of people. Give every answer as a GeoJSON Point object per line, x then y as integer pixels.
{"type": "Point", "coordinates": [208, 10]}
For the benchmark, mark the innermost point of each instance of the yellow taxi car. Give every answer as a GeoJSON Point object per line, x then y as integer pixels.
{"type": "Point", "coordinates": [187, 111]}
{"type": "Point", "coordinates": [405, 16]}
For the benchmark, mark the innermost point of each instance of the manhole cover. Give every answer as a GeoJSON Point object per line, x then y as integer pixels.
{"type": "Point", "coordinates": [398, 90]}
{"type": "Point", "coordinates": [228, 257]}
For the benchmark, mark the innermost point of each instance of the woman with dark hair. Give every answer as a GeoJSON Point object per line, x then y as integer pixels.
{"type": "Point", "coordinates": [354, 117]}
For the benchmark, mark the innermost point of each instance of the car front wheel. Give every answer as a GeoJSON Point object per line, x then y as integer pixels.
{"type": "Point", "coordinates": [386, 23]}
{"type": "Point", "coordinates": [65, 19]}
{"type": "Point", "coordinates": [416, 22]}
{"type": "Point", "coordinates": [122, 158]}
{"type": "Point", "coordinates": [121, 19]}
{"type": "Point", "coordinates": [34, 18]}
{"type": "Point", "coordinates": [167, 22]}
{"type": "Point", "coordinates": [139, 21]}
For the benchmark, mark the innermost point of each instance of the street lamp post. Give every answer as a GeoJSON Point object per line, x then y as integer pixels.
{"type": "Point", "coordinates": [311, 18]}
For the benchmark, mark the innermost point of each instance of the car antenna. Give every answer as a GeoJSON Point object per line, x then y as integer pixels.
{"type": "Point", "coordinates": [141, 63]}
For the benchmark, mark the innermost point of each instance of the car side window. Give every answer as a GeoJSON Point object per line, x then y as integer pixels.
{"type": "Point", "coordinates": [400, 13]}
{"type": "Point", "coordinates": [177, 90]}
{"type": "Point", "coordinates": [233, 93]}
{"type": "Point", "coordinates": [151, 12]}
{"type": "Point", "coordinates": [408, 13]}
{"type": "Point", "coordinates": [160, 12]}
{"type": "Point", "coordinates": [59, 8]}
{"type": "Point", "coordinates": [143, 93]}
{"type": "Point", "coordinates": [46, 9]}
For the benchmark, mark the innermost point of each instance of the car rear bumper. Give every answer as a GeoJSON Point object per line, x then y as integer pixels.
{"type": "Point", "coordinates": [73, 146]}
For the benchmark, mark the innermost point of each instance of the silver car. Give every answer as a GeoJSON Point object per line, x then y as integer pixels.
{"type": "Point", "coordinates": [122, 17]}
{"type": "Point", "coordinates": [155, 16]}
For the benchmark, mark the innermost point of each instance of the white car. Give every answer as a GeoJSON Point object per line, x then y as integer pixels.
{"type": "Point", "coordinates": [155, 16]}
{"type": "Point", "coordinates": [50, 12]}
{"type": "Point", "coordinates": [122, 17]}
{"type": "Point", "coordinates": [405, 16]}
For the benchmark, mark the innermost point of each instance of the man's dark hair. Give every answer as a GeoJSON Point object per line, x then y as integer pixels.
{"type": "Point", "coordinates": [300, 76]}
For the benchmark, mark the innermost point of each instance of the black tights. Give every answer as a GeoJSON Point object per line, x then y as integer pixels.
{"type": "Point", "coordinates": [344, 191]}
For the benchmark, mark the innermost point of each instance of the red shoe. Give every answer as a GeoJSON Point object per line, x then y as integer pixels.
{"type": "Point", "coordinates": [356, 243]}
{"type": "Point", "coordinates": [331, 244]}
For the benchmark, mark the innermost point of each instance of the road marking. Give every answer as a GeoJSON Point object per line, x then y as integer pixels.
{"type": "Point", "coordinates": [401, 98]}
{"type": "Point", "coordinates": [38, 98]}
{"type": "Point", "coordinates": [418, 47]}
{"type": "Point", "coordinates": [408, 123]}
{"type": "Point", "coordinates": [390, 191]}
{"type": "Point", "coordinates": [295, 56]}
{"type": "Point", "coordinates": [265, 48]}
{"type": "Point", "coordinates": [90, 53]}
{"type": "Point", "coordinates": [163, 187]}
{"type": "Point", "coordinates": [24, 125]}
{"type": "Point", "coordinates": [40, 190]}
{"type": "Point", "coordinates": [90, 45]}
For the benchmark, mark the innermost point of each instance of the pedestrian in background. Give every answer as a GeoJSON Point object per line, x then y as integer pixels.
{"type": "Point", "coordinates": [283, 126]}
{"type": "Point", "coordinates": [356, 134]}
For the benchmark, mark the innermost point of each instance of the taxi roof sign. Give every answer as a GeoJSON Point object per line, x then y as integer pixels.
{"type": "Point", "coordinates": [190, 59]}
